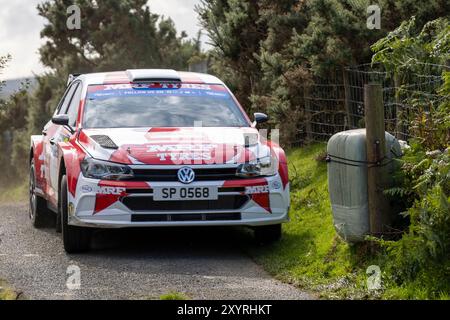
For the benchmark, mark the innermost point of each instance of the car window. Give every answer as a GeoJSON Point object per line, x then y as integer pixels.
{"type": "Point", "coordinates": [186, 106]}
{"type": "Point", "coordinates": [62, 107]}
{"type": "Point", "coordinates": [72, 111]}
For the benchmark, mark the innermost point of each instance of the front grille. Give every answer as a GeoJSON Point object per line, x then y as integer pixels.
{"type": "Point", "coordinates": [139, 191]}
{"type": "Point", "coordinates": [204, 174]}
{"type": "Point", "coordinates": [224, 202]}
{"type": "Point", "coordinates": [186, 217]}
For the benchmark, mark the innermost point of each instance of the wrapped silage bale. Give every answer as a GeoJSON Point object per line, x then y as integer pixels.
{"type": "Point", "coordinates": [347, 180]}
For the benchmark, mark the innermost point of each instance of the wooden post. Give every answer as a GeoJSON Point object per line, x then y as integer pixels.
{"type": "Point", "coordinates": [376, 149]}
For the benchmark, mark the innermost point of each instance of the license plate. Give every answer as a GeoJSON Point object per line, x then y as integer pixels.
{"type": "Point", "coordinates": [184, 193]}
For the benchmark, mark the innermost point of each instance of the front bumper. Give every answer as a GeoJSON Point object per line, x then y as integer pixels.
{"type": "Point", "coordinates": [101, 204]}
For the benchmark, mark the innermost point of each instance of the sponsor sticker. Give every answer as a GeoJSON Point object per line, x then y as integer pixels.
{"type": "Point", "coordinates": [103, 190]}
{"type": "Point", "coordinates": [111, 190]}
{"type": "Point", "coordinates": [86, 189]}
{"type": "Point", "coordinates": [106, 94]}
{"type": "Point", "coordinates": [257, 189]}
{"type": "Point", "coordinates": [276, 184]}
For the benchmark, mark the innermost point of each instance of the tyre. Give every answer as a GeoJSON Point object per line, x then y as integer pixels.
{"type": "Point", "coordinates": [268, 234]}
{"type": "Point", "coordinates": [39, 214]}
{"type": "Point", "coordinates": [75, 239]}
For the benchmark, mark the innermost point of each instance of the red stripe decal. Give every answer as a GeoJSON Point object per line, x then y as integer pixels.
{"type": "Point", "coordinates": [263, 200]}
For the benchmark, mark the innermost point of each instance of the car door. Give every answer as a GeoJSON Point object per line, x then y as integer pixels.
{"type": "Point", "coordinates": [52, 135]}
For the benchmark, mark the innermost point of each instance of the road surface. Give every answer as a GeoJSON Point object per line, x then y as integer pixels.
{"type": "Point", "coordinates": [133, 264]}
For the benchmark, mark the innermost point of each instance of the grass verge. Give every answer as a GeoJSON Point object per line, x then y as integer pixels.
{"type": "Point", "coordinates": [173, 296]}
{"type": "Point", "coordinates": [6, 293]}
{"type": "Point", "coordinates": [312, 256]}
{"type": "Point", "coordinates": [14, 192]}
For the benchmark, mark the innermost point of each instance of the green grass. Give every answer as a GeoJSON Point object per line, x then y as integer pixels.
{"type": "Point", "coordinates": [16, 192]}
{"type": "Point", "coordinates": [310, 253]}
{"type": "Point", "coordinates": [6, 293]}
{"type": "Point", "coordinates": [312, 256]}
{"type": "Point", "coordinates": [173, 296]}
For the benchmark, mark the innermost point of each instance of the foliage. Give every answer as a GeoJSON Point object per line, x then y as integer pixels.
{"type": "Point", "coordinates": [425, 184]}
{"type": "Point", "coordinates": [235, 32]}
{"type": "Point", "coordinates": [7, 293]}
{"type": "Point", "coordinates": [427, 241]}
{"type": "Point", "coordinates": [270, 51]}
{"type": "Point", "coordinates": [14, 137]}
{"type": "Point", "coordinates": [408, 51]}
{"type": "Point", "coordinates": [114, 35]}
{"type": "Point", "coordinates": [312, 256]}
{"type": "Point", "coordinates": [418, 265]}
{"type": "Point", "coordinates": [173, 296]}
{"type": "Point", "coordinates": [14, 192]}
{"type": "Point", "coordinates": [3, 61]}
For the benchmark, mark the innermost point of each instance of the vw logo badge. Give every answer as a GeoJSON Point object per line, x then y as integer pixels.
{"type": "Point", "coordinates": [186, 175]}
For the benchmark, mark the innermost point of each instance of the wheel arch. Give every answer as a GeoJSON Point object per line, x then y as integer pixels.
{"type": "Point", "coordinates": [31, 154]}
{"type": "Point", "coordinates": [36, 147]}
{"type": "Point", "coordinates": [62, 171]}
{"type": "Point", "coordinates": [69, 164]}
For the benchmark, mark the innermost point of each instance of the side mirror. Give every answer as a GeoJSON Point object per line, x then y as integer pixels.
{"type": "Point", "coordinates": [61, 119]}
{"type": "Point", "coordinates": [260, 117]}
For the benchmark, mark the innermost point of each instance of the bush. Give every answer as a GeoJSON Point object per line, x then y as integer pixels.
{"type": "Point", "coordinates": [421, 258]}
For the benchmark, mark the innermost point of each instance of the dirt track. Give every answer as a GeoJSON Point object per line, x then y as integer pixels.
{"type": "Point", "coordinates": [134, 264]}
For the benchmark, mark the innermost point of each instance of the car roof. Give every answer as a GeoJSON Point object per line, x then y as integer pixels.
{"type": "Point", "coordinates": [116, 77]}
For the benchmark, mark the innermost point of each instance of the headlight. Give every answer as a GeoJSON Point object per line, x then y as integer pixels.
{"type": "Point", "coordinates": [105, 170]}
{"type": "Point", "coordinates": [267, 166]}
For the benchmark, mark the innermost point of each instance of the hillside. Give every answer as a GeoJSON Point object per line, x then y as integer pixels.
{"type": "Point", "coordinates": [13, 85]}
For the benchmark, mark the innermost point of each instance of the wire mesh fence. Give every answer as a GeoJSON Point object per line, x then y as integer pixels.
{"type": "Point", "coordinates": [337, 103]}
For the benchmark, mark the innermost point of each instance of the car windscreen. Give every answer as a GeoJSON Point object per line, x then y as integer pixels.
{"type": "Point", "coordinates": [186, 105]}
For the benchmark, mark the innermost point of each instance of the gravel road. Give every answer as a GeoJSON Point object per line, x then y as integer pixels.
{"type": "Point", "coordinates": [133, 264]}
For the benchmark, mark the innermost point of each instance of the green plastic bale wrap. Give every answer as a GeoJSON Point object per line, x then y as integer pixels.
{"type": "Point", "coordinates": [347, 181]}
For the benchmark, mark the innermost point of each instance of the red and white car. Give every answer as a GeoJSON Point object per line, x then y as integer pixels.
{"type": "Point", "coordinates": [155, 147]}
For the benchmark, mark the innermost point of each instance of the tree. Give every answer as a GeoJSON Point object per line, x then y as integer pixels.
{"type": "Point", "coordinates": [235, 31]}
{"type": "Point", "coordinates": [3, 61]}
{"type": "Point", "coordinates": [269, 51]}
{"type": "Point", "coordinates": [407, 52]}
{"type": "Point", "coordinates": [113, 35]}
{"type": "Point", "coordinates": [14, 136]}
{"type": "Point", "coordinates": [46, 96]}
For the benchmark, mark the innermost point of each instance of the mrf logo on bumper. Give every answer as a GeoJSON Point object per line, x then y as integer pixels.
{"type": "Point", "coordinates": [103, 190]}
{"type": "Point", "coordinates": [257, 189]}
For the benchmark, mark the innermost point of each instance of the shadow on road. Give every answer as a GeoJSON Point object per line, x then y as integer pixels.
{"type": "Point", "coordinates": [171, 241]}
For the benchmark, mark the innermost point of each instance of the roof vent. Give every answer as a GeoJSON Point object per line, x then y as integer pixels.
{"type": "Point", "coordinates": [104, 141]}
{"type": "Point", "coordinates": [153, 75]}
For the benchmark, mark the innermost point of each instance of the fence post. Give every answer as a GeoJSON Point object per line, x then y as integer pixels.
{"type": "Point", "coordinates": [375, 146]}
{"type": "Point", "coordinates": [308, 113]}
{"type": "Point", "coordinates": [347, 94]}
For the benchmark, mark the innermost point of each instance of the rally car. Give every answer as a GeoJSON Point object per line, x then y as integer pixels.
{"type": "Point", "coordinates": [152, 148]}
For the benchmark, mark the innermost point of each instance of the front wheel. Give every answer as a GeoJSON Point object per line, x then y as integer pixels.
{"type": "Point", "coordinates": [268, 234]}
{"type": "Point", "coordinates": [76, 239]}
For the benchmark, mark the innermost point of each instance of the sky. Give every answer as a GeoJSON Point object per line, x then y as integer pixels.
{"type": "Point", "coordinates": [20, 26]}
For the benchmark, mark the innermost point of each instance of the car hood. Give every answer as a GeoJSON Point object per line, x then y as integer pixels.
{"type": "Point", "coordinates": [174, 146]}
